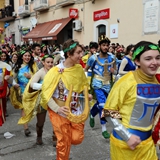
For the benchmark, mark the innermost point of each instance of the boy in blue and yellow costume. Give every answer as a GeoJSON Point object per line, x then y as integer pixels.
{"type": "Point", "coordinates": [131, 105]}
{"type": "Point", "coordinates": [102, 66]}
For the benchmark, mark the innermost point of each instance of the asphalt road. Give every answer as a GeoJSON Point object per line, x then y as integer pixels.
{"type": "Point", "coordinates": [19, 147]}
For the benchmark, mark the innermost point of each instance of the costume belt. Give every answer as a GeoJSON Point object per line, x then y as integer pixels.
{"type": "Point", "coordinates": [142, 134]}
{"type": "Point", "coordinates": [59, 102]}
{"type": "Point", "coordinates": [105, 80]}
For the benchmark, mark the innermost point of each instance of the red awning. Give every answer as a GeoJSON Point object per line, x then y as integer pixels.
{"type": "Point", "coordinates": [48, 30]}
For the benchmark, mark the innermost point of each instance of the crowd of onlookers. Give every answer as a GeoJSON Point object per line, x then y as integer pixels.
{"type": "Point", "coordinates": [9, 53]}
{"type": "Point", "coordinates": [114, 48]}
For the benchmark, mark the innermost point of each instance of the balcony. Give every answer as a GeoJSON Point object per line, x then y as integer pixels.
{"type": "Point", "coordinates": [41, 5]}
{"type": "Point", "coordinates": [64, 3]}
{"type": "Point", "coordinates": [23, 10]}
{"type": "Point", "coordinates": [6, 14]}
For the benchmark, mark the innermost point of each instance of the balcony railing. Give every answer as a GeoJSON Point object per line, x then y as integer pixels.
{"type": "Point", "coordinates": [6, 13]}
{"type": "Point", "coordinates": [40, 5]}
{"type": "Point", "coordinates": [23, 10]}
{"type": "Point", "coordinates": [64, 3]}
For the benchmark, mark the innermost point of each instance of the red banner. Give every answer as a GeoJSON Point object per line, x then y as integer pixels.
{"type": "Point", "coordinates": [73, 13]}
{"type": "Point", "coordinates": [101, 14]}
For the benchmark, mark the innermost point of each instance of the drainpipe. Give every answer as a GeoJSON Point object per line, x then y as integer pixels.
{"type": "Point", "coordinates": [83, 21]}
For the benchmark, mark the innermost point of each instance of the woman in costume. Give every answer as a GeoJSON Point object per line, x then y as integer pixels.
{"type": "Point", "coordinates": [30, 96]}
{"type": "Point", "coordinates": [127, 64]}
{"type": "Point", "coordinates": [5, 78]}
{"type": "Point", "coordinates": [4, 57]}
{"type": "Point", "coordinates": [14, 58]}
{"type": "Point", "coordinates": [24, 69]}
{"type": "Point", "coordinates": [44, 50]}
{"type": "Point", "coordinates": [55, 88]}
{"type": "Point", "coordinates": [131, 105]}
{"type": "Point", "coordinates": [56, 48]}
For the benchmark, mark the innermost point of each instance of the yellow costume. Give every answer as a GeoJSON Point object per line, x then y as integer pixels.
{"type": "Point", "coordinates": [135, 97]}
{"type": "Point", "coordinates": [30, 104]}
{"type": "Point", "coordinates": [85, 58]}
{"type": "Point", "coordinates": [74, 76]}
{"type": "Point", "coordinates": [67, 132]}
{"type": "Point", "coordinates": [16, 94]}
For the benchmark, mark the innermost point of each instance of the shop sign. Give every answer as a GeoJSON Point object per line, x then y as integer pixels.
{"type": "Point", "coordinates": [47, 38]}
{"type": "Point", "coordinates": [101, 14]}
{"type": "Point", "coordinates": [55, 28]}
{"type": "Point", "coordinates": [73, 13]}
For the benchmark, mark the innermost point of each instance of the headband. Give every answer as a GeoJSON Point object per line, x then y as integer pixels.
{"type": "Point", "coordinates": [141, 50]}
{"type": "Point", "coordinates": [70, 47]}
{"type": "Point", "coordinates": [23, 52]}
{"type": "Point", "coordinates": [55, 47]}
{"type": "Point", "coordinates": [42, 45]}
{"type": "Point", "coordinates": [46, 56]}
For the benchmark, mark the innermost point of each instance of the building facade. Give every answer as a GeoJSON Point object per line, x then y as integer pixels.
{"type": "Point", "coordinates": [54, 21]}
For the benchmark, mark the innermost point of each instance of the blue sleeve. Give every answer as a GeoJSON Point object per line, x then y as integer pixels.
{"type": "Point", "coordinates": [91, 61]}
{"type": "Point", "coordinates": [118, 62]}
{"type": "Point", "coordinates": [116, 59]}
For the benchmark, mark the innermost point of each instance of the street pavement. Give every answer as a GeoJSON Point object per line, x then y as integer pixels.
{"type": "Point", "coordinates": [19, 147]}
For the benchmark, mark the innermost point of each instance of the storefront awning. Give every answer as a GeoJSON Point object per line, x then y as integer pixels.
{"type": "Point", "coordinates": [47, 31]}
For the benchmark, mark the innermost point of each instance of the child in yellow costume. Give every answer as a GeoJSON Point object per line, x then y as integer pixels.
{"type": "Point", "coordinates": [55, 89]}
{"type": "Point", "coordinates": [131, 105]}
{"type": "Point", "coordinates": [31, 99]}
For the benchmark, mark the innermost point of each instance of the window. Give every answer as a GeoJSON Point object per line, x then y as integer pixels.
{"type": "Point", "coordinates": [101, 30]}
{"type": "Point", "coordinates": [26, 2]}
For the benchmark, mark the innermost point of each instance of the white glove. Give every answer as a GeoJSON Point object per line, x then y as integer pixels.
{"type": "Point", "coordinates": [37, 86]}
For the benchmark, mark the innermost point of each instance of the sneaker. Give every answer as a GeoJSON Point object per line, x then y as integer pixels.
{"type": "Point", "coordinates": [105, 134]}
{"type": "Point", "coordinates": [91, 121]}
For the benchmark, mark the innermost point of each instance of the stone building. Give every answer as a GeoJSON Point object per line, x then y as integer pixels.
{"type": "Point", "coordinates": [51, 21]}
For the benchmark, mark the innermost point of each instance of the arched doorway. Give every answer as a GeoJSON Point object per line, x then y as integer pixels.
{"type": "Point", "coordinates": [100, 27]}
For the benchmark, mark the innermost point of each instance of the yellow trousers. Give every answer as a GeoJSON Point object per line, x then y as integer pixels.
{"type": "Point", "coordinates": [144, 151]}
{"type": "Point", "coordinates": [67, 133]}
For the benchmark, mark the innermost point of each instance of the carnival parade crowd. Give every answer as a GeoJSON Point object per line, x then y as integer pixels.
{"type": "Point", "coordinates": [73, 82]}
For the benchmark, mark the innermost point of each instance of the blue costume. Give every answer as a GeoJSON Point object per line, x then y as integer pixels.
{"type": "Point", "coordinates": [101, 81]}
{"type": "Point", "coordinates": [22, 80]}
{"type": "Point", "coordinates": [130, 65]}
